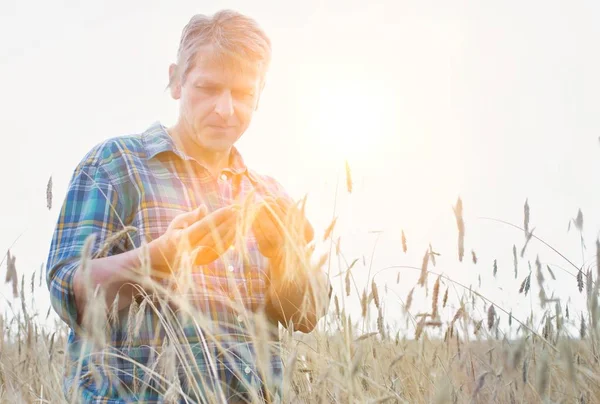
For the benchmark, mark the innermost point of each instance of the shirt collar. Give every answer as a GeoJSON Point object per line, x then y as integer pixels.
{"type": "Point", "coordinates": [156, 140]}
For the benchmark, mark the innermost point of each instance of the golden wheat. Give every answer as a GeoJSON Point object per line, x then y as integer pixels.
{"type": "Point", "coordinates": [344, 361]}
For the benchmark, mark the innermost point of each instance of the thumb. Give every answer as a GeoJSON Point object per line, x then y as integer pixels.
{"type": "Point", "coordinates": [200, 212]}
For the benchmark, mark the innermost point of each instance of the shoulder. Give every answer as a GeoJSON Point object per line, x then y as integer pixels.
{"type": "Point", "coordinates": [112, 150]}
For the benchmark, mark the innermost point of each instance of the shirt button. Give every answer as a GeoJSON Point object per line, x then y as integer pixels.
{"type": "Point", "coordinates": [224, 177]}
{"type": "Point", "coordinates": [247, 370]}
{"type": "Point", "coordinates": [230, 268]}
{"type": "Point", "coordinates": [240, 318]}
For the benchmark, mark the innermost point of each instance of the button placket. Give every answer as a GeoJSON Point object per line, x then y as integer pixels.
{"type": "Point", "coordinates": [224, 187]}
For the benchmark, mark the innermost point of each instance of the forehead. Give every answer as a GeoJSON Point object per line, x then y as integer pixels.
{"type": "Point", "coordinates": [224, 68]}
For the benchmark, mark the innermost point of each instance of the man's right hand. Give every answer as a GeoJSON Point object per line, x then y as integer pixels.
{"type": "Point", "coordinates": [205, 236]}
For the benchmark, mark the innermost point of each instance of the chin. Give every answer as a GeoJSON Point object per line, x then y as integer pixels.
{"type": "Point", "coordinates": [217, 146]}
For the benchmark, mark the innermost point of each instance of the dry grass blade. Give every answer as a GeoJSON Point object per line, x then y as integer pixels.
{"type": "Point", "coordinates": [491, 316]}
{"type": "Point", "coordinates": [348, 275]}
{"type": "Point", "coordinates": [577, 221]}
{"type": "Point", "coordinates": [110, 241]}
{"type": "Point", "coordinates": [543, 376]}
{"type": "Point", "coordinates": [551, 272]}
{"type": "Point", "coordinates": [329, 229]}
{"type": "Point", "coordinates": [474, 257]}
{"type": "Point", "coordinates": [598, 258]}
{"type": "Point", "coordinates": [525, 285]}
{"type": "Point", "coordinates": [434, 298]}
{"type": "Point", "coordinates": [458, 212]}
{"type": "Point", "coordinates": [566, 354]}
{"type": "Point", "coordinates": [337, 306]}
{"type": "Point", "coordinates": [539, 275]}
{"type": "Point", "coordinates": [515, 261]}
{"type": "Point", "coordinates": [364, 303]}
{"type": "Point", "coordinates": [480, 383]}
{"type": "Point", "coordinates": [495, 268]}
{"type": "Point", "coordinates": [445, 299]}
{"type": "Point", "coordinates": [526, 218]}
{"type": "Point", "coordinates": [348, 178]}
{"type": "Point", "coordinates": [49, 194]}
{"type": "Point", "coordinates": [527, 240]}
{"type": "Point", "coordinates": [41, 275]}
{"type": "Point", "coordinates": [375, 293]}
{"type": "Point", "coordinates": [380, 324]}
{"type": "Point", "coordinates": [366, 336]}
{"type": "Point", "coordinates": [404, 246]}
{"type": "Point", "coordinates": [588, 283]}
{"type": "Point", "coordinates": [424, 265]}
{"type": "Point", "coordinates": [420, 327]}
{"type": "Point", "coordinates": [459, 313]}
{"type": "Point", "coordinates": [347, 283]}
{"type": "Point", "coordinates": [409, 299]}
{"type": "Point", "coordinates": [432, 254]}
{"type": "Point", "coordinates": [396, 360]}
{"type": "Point", "coordinates": [356, 361]}
{"type": "Point", "coordinates": [11, 273]}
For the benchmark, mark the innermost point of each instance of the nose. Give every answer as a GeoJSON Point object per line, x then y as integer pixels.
{"type": "Point", "coordinates": [224, 105]}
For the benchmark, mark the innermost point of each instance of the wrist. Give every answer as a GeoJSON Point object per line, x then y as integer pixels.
{"type": "Point", "coordinates": [160, 254]}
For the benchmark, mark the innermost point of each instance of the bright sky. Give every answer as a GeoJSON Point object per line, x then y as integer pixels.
{"type": "Point", "coordinates": [493, 101]}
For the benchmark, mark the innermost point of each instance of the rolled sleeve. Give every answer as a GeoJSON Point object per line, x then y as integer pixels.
{"type": "Point", "coordinates": [91, 206]}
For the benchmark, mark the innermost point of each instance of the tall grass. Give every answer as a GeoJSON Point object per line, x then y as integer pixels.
{"type": "Point", "coordinates": [454, 352]}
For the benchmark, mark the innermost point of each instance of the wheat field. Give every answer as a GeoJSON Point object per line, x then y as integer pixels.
{"type": "Point", "coordinates": [449, 354]}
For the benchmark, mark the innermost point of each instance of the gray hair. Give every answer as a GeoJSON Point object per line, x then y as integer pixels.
{"type": "Point", "coordinates": [234, 37]}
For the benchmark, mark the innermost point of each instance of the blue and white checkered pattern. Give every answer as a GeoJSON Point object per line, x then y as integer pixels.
{"type": "Point", "coordinates": [144, 181]}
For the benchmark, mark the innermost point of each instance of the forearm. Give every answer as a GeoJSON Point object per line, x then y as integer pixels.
{"type": "Point", "coordinates": [114, 274]}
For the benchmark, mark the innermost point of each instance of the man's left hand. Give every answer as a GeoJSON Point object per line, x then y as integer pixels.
{"type": "Point", "coordinates": [277, 221]}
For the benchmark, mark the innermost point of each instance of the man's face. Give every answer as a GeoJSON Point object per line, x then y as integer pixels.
{"type": "Point", "coordinates": [217, 102]}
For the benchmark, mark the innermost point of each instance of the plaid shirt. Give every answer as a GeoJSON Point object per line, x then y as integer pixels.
{"type": "Point", "coordinates": [144, 181]}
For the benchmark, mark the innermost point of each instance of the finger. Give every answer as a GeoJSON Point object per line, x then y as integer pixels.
{"type": "Point", "coordinates": [206, 254]}
{"type": "Point", "coordinates": [185, 219]}
{"type": "Point", "coordinates": [267, 240]}
{"type": "Point", "coordinates": [228, 238]}
{"type": "Point", "coordinates": [201, 212]}
{"type": "Point", "coordinates": [284, 203]}
{"type": "Point", "coordinates": [268, 223]}
{"type": "Point", "coordinates": [275, 209]}
{"type": "Point", "coordinates": [211, 238]}
{"type": "Point", "coordinates": [296, 214]}
{"type": "Point", "coordinates": [200, 229]}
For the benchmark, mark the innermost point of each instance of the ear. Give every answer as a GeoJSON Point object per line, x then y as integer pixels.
{"type": "Point", "coordinates": [174, 82]}
{"type": "Point", "coordinates": [260, 90]}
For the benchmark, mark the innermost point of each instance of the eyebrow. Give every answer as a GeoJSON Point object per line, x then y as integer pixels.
{"type": "Point", "coordinates": [218, 84]}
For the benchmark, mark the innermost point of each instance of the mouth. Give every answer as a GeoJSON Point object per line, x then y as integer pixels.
{"type": "Point", "coordinates": [221, 127]}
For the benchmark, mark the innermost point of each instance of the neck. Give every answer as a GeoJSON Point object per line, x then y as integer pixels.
{"type": "Point", "coordinates": [214, 161]}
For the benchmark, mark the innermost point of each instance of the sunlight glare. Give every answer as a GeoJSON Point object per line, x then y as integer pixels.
{"type": "Point", "coordinates": [349, 120]}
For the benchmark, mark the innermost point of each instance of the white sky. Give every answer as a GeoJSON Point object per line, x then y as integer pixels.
{"type": "Point", "coordinates": [492, 101]}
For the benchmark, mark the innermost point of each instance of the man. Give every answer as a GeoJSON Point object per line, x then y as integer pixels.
{"type": "Point", "coordinates": [168, 249]}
